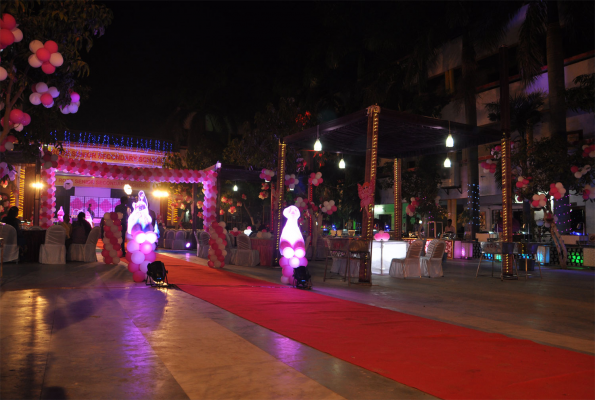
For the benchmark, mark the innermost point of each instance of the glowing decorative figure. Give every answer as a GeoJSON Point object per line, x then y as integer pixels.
{"type": "Point", "coordinates": [248, 231]}
{"type": "Point", "coordinates": [141, 244]}
{"type": "Point", "coordinates": [61, 214]}
{"type": "Point", "coordinates": [291, 245]}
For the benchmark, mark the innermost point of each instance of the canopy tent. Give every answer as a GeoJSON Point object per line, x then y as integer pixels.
{"type": "Point", "coordinates": [383, 133]}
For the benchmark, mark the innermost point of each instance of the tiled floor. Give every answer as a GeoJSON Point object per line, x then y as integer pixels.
{"type": "Point", "coordinates": [87, 331]}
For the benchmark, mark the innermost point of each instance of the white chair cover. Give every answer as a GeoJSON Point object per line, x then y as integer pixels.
{"type": "Point", "coordinates": [11, 249]}
{"type": "Point", "coordinates": [408, 267]}
{"type": "Point", "coordinates": [161, 240]}
{"type": "Point", "coordinates": [53, 251]}
{"type": "Point", "coordinates": [168, 242]}
{"type": "Point", "coordinates": [245, 256]}
{"type": "Point", "coordinates": [85, 252]}
{"type": "Point", "coordinates": [431, 263]}
{"type": "Point", "coordinates": [308, 248]}
{"type": "Point", "coordinates": [230, 257]}
{"type": "Point", "coordinates": [179, 240]}
{"type": "Point", "coordinates": [202, 249]}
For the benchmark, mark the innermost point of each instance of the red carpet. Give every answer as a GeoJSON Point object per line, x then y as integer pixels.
{"type": "Point", "coordinates": [444, 360]}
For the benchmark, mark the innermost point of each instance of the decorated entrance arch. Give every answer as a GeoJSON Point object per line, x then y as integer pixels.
{"type": "Point", "coordinates": [208, 178]}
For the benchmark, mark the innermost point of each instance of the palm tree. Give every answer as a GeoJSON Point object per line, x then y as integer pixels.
{"type": "Point", "coordinates": [542, 25]}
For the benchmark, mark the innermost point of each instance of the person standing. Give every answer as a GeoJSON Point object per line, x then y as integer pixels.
{"type": "Point", "coordinates": [450, 228]}
{"type": "Point", "coordinates": [123, 208]}
{"type": "Point", "coordinates": [91, 213]}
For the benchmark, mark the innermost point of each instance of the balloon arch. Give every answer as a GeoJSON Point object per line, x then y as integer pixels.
{"type": "Point", "coordinates": [52, 163]}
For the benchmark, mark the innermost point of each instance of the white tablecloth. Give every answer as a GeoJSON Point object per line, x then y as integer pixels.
{"type": "Point", "coordinates": [387, 250]}
{"type": "Point", "coordinates": [340, 264]}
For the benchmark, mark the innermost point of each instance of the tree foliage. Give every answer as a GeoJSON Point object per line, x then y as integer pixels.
{"type": "Point", "coordinates": [582, 96]}
{"type": "Point", "coordinates": [73, 25]}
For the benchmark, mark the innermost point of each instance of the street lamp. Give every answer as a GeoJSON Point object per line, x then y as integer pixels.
{"type": "Point", "coordinates": [447, 162]}
{"type": "Point", "coordinates": [318, 145]}
{"type": "Point", "coordinates": [342, 163]}
{"type": "Point", "coordinates": [235, 188]}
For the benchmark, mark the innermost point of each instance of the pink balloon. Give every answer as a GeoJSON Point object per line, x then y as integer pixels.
{"type": "Point", "coordinates": [287, 271]}
{"type": "Point", "coordinates": [138, 257]}
{"type": "Point", "coordinates": [51, 46]}
{"type": "Point", "coordinates": [132, 267]}
{"type": "Point", "coordinates": [46, 99]}
{"type": "Point", "coordinates": [146, 248]}
{"type": "Point", "coordinates": [303, 262]}
{"type": "Point", "coordinates": [139, 276]}
{"type": "Point", "coordinates": [132, 246]}
{"type": "Point", "coordinates": [150, 257]}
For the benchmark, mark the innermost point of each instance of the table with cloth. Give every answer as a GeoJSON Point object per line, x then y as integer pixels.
{"type": "Point", "coordinates": [34, 239]}
{"type": "Point", "coordinates": [266, 248]}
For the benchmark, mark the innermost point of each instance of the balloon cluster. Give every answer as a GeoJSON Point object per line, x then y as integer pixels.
{"type": "Point", "coordinates": [589, 151]}
{"type": "Point", "coordinates": [291, 245]}
{"type": "Point", "coordinates": [17, 120]}
{"type": "Point", "coordinates": [199, 204]}
{"type": "Point", "coordinates": [522, 182]}
{"type": "Point", "coordinates": [217, 244]}
{"type": "Point", "coordinates": [264, 193]}
{"type": "Point", "coordinates": [328, 207]}
{"type": "Point", "coordinates": [264, 234]}
{"type": "Point", "coordinates": [589, 192]}
{"type": "Point", "coordinates": [48, 193]}
{"type": "Point", "coordinates": [8, 143]}
{"type": "Point", "coordinates": [5, 170]}
{"type": "Point", "coordinates": [112, 238]}
{"type": "Point", "coordinates": [232, 210]}
{"type": "Point", "coordinates": [496, 151]}
{"type": "Point", "coordinates": [539, 200]}
{"type": "Point", "coordinates": [235, 232]}
{"type": "Point", "coordinates": [45, 55]}
{"type": "Point", "coordinates": [221, 212]}
{"type": "Point", "coordinates": [410, 209]}
{"type": "Point", "coordinates": [382, 236]}
{"type": "Point", "coordinates": [315, 179]}
{"type": "Point", "coordinates": [244, 197]}
{"type": "Point", "coordinates": [549, 219]}
{"type": "Point", "coordinates": [239, 204]}
{"type": "Point", "coordinates": [267, 174]}
{"type": "Point", "coordinates": [42, 94]}
{"type": "Point", "coordinates": [209, 187]}
{"type": "Point", "coordinates": [557, 190]}
{"type": "Point", "coordinates": [580, 172]}
{"type": "Point", "coordinates": [140, 252]}
{"type": "Point", "coordinates": [366, 195]}
{"type": "Point", "coordinates": [489, 166]}
{"type": "Point", "coordinates": [291, 181]}
{"type": "Point", "coordinates": [73, 107]}
{"type": "Point", "coordinates": [9, 33]}
{"type": "Point", "coordinates": [304, 204]}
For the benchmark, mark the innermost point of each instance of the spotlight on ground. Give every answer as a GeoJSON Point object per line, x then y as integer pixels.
{"type": "Point", "coordinates": [187, 245]}
{"type": "Point", "coordinates": [157, 274]}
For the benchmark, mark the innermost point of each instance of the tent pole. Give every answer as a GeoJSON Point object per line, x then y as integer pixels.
{"type": "Point", "coordinates": [398, 219]}
{"type": "Point", "coordinates": [507, 260]}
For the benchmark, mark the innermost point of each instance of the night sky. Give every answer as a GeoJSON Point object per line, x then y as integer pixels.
{"type": "Point", "coordinates": [156, 53]}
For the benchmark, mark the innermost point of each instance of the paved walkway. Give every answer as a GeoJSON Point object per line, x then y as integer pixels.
{"type": "Point", "coordinates": [87, 331]}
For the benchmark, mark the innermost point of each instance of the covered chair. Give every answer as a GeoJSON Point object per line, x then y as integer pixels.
{"type": "Point", "coordinates": [245, 256]}
{"type": "Point", "coordinates": [85, 252]}
{"type": "Point", "coordinates": [230, 257]}
{"type": "Point", "coordinates": [168, 242]}
{"type": "Point", "coordinates": [408, 267]}
{"type": "Point", "coordinates": [11, 249]}
{"type": "Point", "coordinates": [53, 251]}
{"type": "Point", "coordinates": [179, 242]}
{"type": "Point", "coordinates": [161, 240]}
{"type": "Point", "coordinates": [431, 263]}
{"type": "Point", "coordinates": [202, 248]}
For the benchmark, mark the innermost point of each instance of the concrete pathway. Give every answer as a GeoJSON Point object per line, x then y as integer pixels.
{"type": "Point", "coordinates": [81, 331]}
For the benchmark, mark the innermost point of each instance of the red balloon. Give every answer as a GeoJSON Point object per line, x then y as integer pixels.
{"type": "Point", "coordinates": [16, 116]}
{"type": "Point", "coordinates": [129, 257]}
{"type": "Point", "coordinates": [51, 46]}
{"type": "Point", "coordinates": [46, 99]}
{"type": "Point", "coordinates": [132, 267]}
{"type": "Point", "coordinates": [150, 257]}
{"type": "Point", "coordinates": [211, 264]}
{"type": "Point", "coordinates": [8, 22]}
{"type": "Point", "coordinates": [48, 68]}
{"type": "Point", "coordinates": [139, 276]}
{"type": "Point", "coordinates": [105, 253]}
{"type": "Point", "coordinates": [107, 260]}
{"type": "Point", "coordinates": [106, 228]}
{"type": "Point", "coordinates": [43, 54]}
{"type": "Point", "coordinates": [6, 37]}
{"type": "Point", "coordinates": [26, 120]}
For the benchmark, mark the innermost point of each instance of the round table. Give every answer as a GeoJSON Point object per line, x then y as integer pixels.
{"type": "Point", "coordinates": [266, 248]}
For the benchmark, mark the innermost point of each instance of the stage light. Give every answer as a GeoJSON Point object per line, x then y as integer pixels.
{"type": "Point", "coordinates": [447, 163]}
{"type": "Point", "coordinates": [235, 188]}
{"type": "Point", "coordinates": [157, 272]}
{"type": "Point", "coordinates": [37, 185]}
{"type": "Point", "coordinates": [187, 245]}
{"type": "Point", "coordinates": [342, 163]}
{"type": "Point", "coordinates": [127, 189]}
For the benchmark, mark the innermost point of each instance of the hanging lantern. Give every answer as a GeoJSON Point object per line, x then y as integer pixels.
{"type": "Point", "coordinates": [318, 145]}
{"type": "Point", "coordinates": [342, 163]}
{"type": "Point", "coordinates": [450, 142]}
{"type": "Point", "coordinates": [235, 188]}
{"type": "Point", "coordinates": [447, 162]}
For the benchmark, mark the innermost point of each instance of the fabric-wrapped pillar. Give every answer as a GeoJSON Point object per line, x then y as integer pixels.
{"type": "Point", "coordinates": [507, 260]}
{"type": "Point", "coordinates": [280, 194]}
{"type": "Point", "coordinates": [365, 271]}
{"type": "Point", "coordinates": [398, 228]}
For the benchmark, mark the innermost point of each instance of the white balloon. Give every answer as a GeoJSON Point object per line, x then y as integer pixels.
{"type": "Point", "coordinates": [41, 87]}
{"type": "Point", "coordinates": [34, 61]}
{"type": "Point", "coordinates": [56, 59]}
{"type": "Point", "coordinates": [73, 108]}
{"type": "Point", "coordinates": [9, 145]}
{"type": "Point", "coordinates": [35, 45]}
{"type": "Point", "coordinates": [49, 105]}
{"type": "Point", "coordinates": [3, 74]}
{"type": "Point", "coordinates": [18, 128]}
{"type": "Point", "coordinates": [54, 92]}
{"type": "Point", "coordinates": [64, 110]}
{"type": "Point", "coordinates": [35, 99]}
{"type": "Point", "coordinates": [18, 35]}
